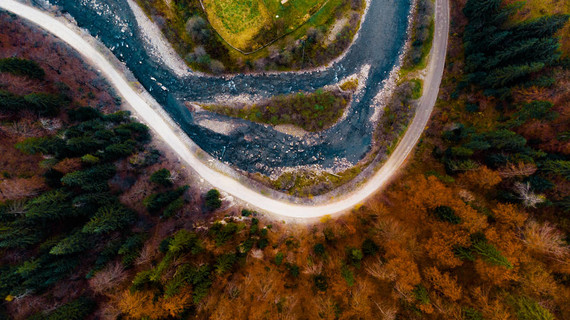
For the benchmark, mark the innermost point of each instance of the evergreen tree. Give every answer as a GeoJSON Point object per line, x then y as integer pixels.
{"type": "Point", "coordinates": [109, 218]}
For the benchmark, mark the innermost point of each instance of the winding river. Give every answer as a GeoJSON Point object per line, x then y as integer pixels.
{"type": "Point", "coordinates": [254, 147]}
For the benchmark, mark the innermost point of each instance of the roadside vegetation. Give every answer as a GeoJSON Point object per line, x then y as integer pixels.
{"type": "Point", "coordinates": [312, 112]}
{"type": "Point", "coordinates": [421, 37]}
{"type": "Point", "coordinates": [476, 228]}
{"type": "Point", "coordinates": [302, 39]}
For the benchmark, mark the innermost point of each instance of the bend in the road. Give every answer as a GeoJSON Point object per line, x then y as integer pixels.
{"type": "Point", "coordinates": [159, 122]}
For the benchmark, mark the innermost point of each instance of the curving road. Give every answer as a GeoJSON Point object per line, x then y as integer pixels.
{"type": "Point", "coordinates": [149, 112]}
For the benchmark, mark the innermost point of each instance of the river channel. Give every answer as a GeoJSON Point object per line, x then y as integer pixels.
{"type": "Point", "coordinates": [254, 147]}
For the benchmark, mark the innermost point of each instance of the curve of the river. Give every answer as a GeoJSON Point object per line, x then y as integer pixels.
{"type": "Point", "coordinates": [254, 147]}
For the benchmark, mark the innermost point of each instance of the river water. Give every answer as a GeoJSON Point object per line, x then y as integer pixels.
{"type": "Point", "coordinates": [254, 147]}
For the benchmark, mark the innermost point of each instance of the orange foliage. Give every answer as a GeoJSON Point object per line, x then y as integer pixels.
{"type": "Point", "coordinates": [494, 274]}
{"type": "Point", "coordinates": [509, 215]}
{"type": "Point", "coordinates": [444, 283]}
{"type": "Point", "coordinates": [483, 178]}
{"type": "Point", "coordinates": [145, 304]}
{"type": "Point", "coordinates": [402, 264]}
{"type": "Point", "coordinates": [491, 309]}
{"type": "Point", "coordinates": [440, 247]}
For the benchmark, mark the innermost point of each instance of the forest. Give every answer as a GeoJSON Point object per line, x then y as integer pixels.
{"type": "Point", "coordinates": [98, 222]}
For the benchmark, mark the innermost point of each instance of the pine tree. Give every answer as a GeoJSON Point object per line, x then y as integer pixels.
{"type": "Point", "coordinates": [109, 218]}
{"type": "Point", "coordinates": [74, 243]}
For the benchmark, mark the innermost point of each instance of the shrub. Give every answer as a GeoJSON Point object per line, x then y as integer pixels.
{"type": "Point", "coordinates": [223, 232]}
{"type": "Point", "coordinates": [528, 309]}
{"type": "Point", "coordinates": [354, 256]}
{"type": "Point", "coordinates": [213, 200]}
{"type": "Point", "coordinates": [446, 214]}
{"type": "Point", "coordinates": [279, 258]}
{"type": "Point", "coordinates": [348, 275]}
{"type": "Point", "coordinates": [321, 282]}
{"type": "Point", "coordinates": [155, 202]}
{"type": "Point", "coordinates": [22, 67]}
{"type": "Point", "coordinates": [224, 263]}
{"type": "Point", "coordinates": [369, 247]}
{"type": "Point", "coordinates": [162, 177]}
{"type": "Point", "coordinates": [319, 249]}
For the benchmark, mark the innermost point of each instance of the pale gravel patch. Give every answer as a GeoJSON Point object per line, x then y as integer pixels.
{"type": "Point", "coordinates": [340, 165]}
{"type": "Point", "coordinates": [362, 77]}
{"type": "Point", "coordinates": [221, 127]}
{"type": "Point", "coordinates": [335, 30]}
{"type": "Point", "coordinates": [238, 101]}
{"type": "Point", "coordinates": [291, 130]}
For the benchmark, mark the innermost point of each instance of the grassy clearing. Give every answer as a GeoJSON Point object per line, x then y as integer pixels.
{"type": "Point", "coordinates": [240, 22]}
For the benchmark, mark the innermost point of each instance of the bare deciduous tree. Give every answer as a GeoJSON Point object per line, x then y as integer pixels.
{"type": "Point", "coordinates": [529, 198]}
{"type": "Point", "coordinates": [544, 238]}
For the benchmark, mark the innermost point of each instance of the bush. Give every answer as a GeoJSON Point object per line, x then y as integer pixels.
{"type": "Point", "coordinates": [321, 282]}
{"type": "Point", "coordinates": [446, 214]}
{"type": "Point", "coordinates": [213, 200]}
{"type": "Point", "coordinates": [223, 232]}
{"type": "Point", "coordinates": [22, 67]}
{"type": "Point", "coordinates": [369, 247]}
{"type": "Point", "coordinates": [279, 258]}
{"type": "Point", "coordinates": [319, 249]}
{"type": "Point", "coordinates": [162, 177]}
{"type": "Point", "coordinates": [348, 275]}
{"type": "Point", "coordinates": [354, 256]}
{"type": "Point", "coordinates": [44, 104]}
{"type": "Point", "coordinates": [156, 202]}
{"type": "Point", "coordinates": [83, 114]}
{"type": "Point", "coordinates": [528, 309]}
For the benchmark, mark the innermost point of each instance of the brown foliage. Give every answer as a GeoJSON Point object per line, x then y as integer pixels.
{"type": "Point", "coordinates": [483, 178]}
{"type": "Point", "coordinates": [509, 216]}
{"type": "Point", "coordinates": [146, 304]}
{"type": "Point", "coordinates": [402, 264]}
{"type": "Point", "coordinates": [20, 188]}
{"type": "Point", "coordinates": [440, 247]}
{"type": "Point", "coordinates": [68, 165]}
{"type": "Point", "coordinates": [443, 283]}
{"type": "Point", "coordinates": [545, 239]}
{"type": "Point", "coordinates": [520, 169]}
